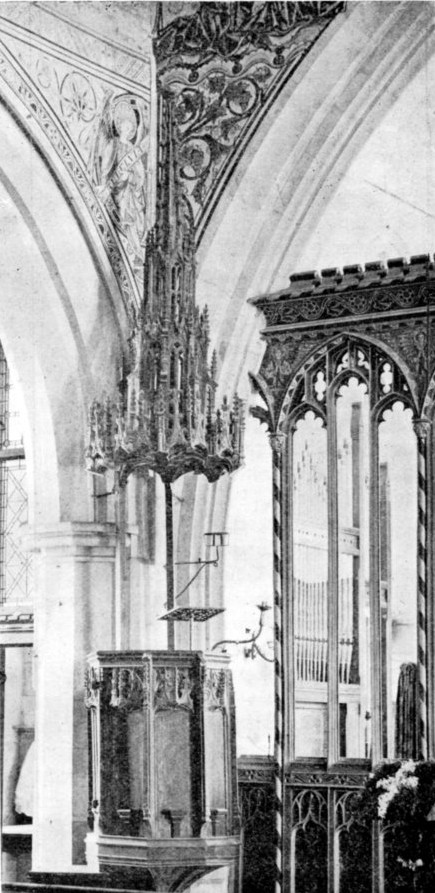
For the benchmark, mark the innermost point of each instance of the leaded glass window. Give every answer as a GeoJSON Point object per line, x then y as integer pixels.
{"type": "Point", "coordinates": [15, 563]}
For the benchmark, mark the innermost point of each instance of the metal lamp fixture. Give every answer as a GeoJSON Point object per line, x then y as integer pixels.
{"type": "Point", "coordinates": [215, 540]}
{"type": "Point", "coordinates": [252, 641]}
{"type": "Point", "coordinates": [196, 614]}
{"type": "Point", "coordinates": [166, 418]}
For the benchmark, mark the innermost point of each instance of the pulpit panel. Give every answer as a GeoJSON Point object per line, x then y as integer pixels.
{"type": "Point", "coordinates": [172, 733]}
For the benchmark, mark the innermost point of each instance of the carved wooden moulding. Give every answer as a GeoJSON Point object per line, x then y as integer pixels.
{"type": "Point", "coordinates": [164, 777]}
{"type": "Point", "coordinates": [377, 314]}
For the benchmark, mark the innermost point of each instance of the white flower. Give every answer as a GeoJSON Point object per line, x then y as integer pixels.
{"type": "Point", "coordinates": [410, 782]}
{"type": "Point", "coordinates": [410, 863]}
{"type": "Point", "coordinates": [408, 767]}
{"type": "Point", "coordinates": [391, 785]}
{"type": "Point", "coordinates": [383, 804]}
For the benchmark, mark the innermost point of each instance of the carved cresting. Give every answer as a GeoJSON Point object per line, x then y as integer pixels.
{"type": "Point", "coordinates": [221, 68]}
{"type": "Point", "coordinates": [391, 306]}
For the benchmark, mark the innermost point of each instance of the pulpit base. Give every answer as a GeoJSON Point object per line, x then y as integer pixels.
{"type": "Point", "coordinates": [173, 864]}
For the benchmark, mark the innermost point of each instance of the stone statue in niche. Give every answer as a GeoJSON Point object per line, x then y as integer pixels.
{"type": "Point", "coordinates": [119, 170]}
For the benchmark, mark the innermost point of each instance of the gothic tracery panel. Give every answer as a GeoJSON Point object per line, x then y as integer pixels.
{"type": "Point", "coordinates": [354, 353]}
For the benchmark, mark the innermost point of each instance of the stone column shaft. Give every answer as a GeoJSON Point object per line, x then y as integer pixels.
{"type": "Point", "coordinates": [74, 614]}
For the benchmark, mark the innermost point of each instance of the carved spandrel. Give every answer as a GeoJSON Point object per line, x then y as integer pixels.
{"type": "Point", "coordinates": [292, 356]}
{"type": "Point", "coordinates": [67, 106]}
{"type": "Point", "coordinates": [283, 358]}
{"type": "Point", "coordinates": [219, 67]}
{"type": "Point", "coordinates": [173, 687]}
{"type": "Point", "coordinates": [409, 342]}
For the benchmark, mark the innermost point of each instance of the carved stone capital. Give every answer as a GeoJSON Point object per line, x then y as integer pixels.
{"type": "Point", "coordinates": [422, 429]}
{"type": "Point", "coordinates": [277, 442]}
{"type": "Point", "coordinates": [93, 679]}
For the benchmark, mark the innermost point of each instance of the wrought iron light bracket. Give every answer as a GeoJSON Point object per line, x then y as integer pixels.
{"type": "Point", "coordinates": [214, 539]}
{"type": "Point", "coordinates": [252, 641]}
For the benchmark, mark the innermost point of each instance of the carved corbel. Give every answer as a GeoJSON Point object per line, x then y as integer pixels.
{"type": "Point", "coordinates": [277, 442]}
{"type": "Point", "coordinates": [422, 428]}
{"type": "Point", "coordinates": [93, 680]}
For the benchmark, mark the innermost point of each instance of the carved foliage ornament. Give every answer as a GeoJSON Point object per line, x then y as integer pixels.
{"type": "Point", "coordinates": [173, 687]}
{"type": "Point", "coordinates": [283, 357]}
{"type": "Point", "coordinates": [230, 30]}
{"type": "Point", "coordinates": [220, 67]}
{"type": "Point", "coordinates": [215, 688]}
{"type": "Point", "coordinates": [414, 342]}
{"type": "Point", "coordinates": [324, 779]}
{"type": "Point", "coordinates": [129, 687]}
{"type": "Point", "coordinates": [289, 309]}
{"type": "Point", "coordinates": [93, 680]}
{"type": "Point", "coordinates": [290, 357]}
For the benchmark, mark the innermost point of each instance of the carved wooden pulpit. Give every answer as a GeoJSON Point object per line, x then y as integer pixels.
{"type": "Point", "coordinates": [164, 782]}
